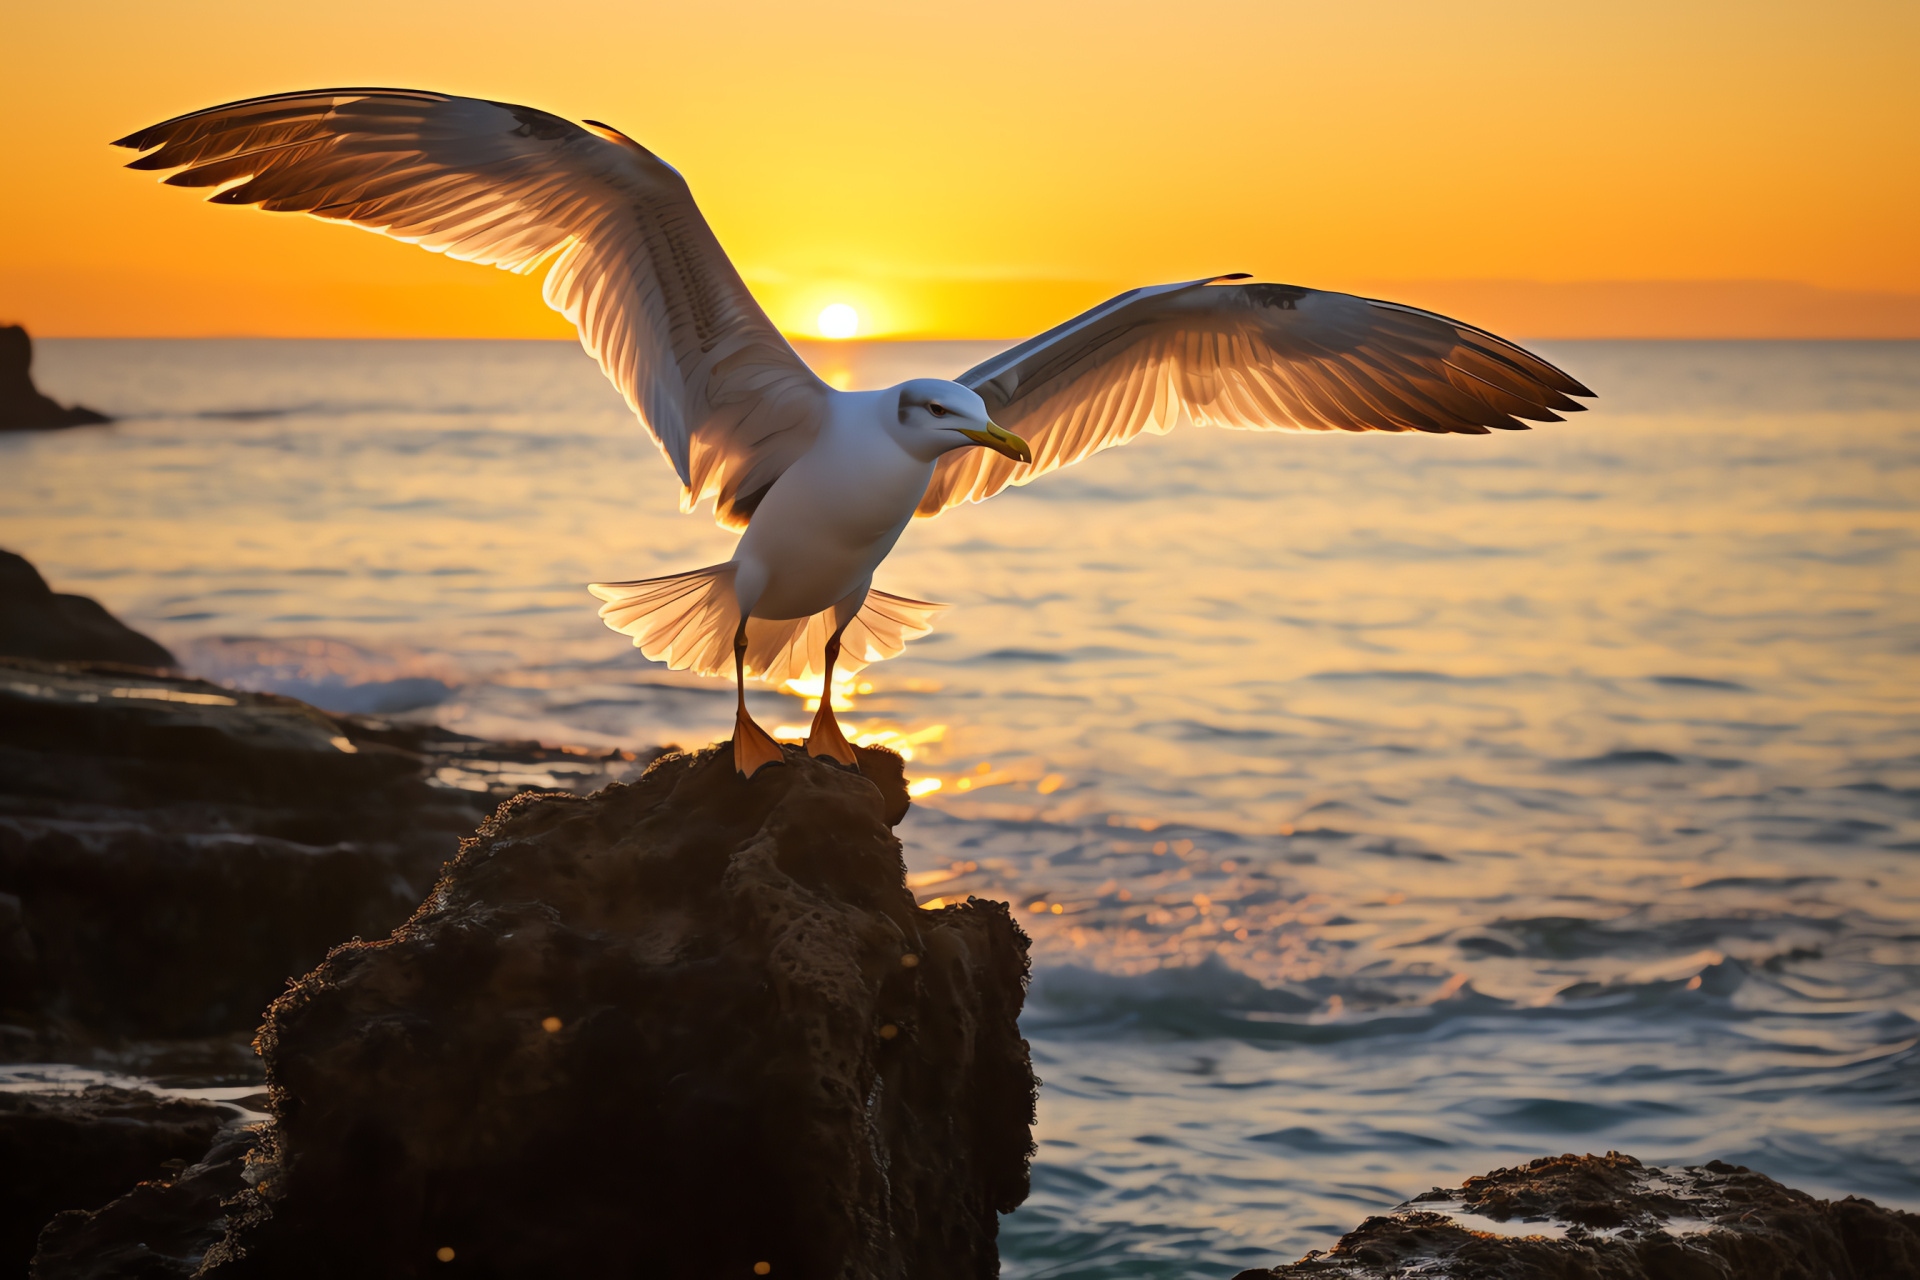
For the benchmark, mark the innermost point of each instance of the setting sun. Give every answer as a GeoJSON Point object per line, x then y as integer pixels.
{"type": "Point", "coordinates": [1744, 196]}
{"type": "Point", "coordinates": [838, 321]}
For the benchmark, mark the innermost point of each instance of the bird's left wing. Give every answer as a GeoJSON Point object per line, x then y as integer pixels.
{"type": "Point", "coordinates": [633, 264]}
{"type": "Point", "coordinates": [1260, 357]}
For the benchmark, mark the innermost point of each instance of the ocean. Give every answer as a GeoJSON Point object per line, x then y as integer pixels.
{"type": "Point", "coordinates": [1383, 809]}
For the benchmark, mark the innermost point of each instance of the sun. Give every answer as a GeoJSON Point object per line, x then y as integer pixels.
{"type": "Point", "coordinates": [838, 321]}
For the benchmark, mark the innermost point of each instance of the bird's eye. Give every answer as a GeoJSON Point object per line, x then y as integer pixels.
{"type": "Point", "coordinates": [937, 410]}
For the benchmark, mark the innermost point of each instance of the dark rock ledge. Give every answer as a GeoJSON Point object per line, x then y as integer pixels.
{"type": "Point", "coordinates": [35, 622]}
{"type": "Point", "coordinates": [1611, 1218]}
{"type": "Point", "coordinates": [57, 1151]}
{"type": "Point", "coordinates": [172, 851]}
{"type": "Point", "coordinates": [161, 1229]}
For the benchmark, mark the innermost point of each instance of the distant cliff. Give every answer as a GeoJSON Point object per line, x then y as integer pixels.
{"type": "Point", "coordinates": [22, 407]}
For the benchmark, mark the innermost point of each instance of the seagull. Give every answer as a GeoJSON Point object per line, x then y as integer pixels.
{"type": "Point", "coordinates": [821, 483]}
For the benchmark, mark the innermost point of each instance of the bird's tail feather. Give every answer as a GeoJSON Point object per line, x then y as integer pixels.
{"type": "Point", "coordinates": [688, 620]}
{"type": "Point", "coordinates": [795, 649]}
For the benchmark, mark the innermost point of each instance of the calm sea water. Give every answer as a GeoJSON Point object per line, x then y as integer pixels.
{"type": "Point", "coordinates": [1383, 809]}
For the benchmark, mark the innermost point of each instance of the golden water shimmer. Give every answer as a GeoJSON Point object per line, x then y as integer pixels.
{"type": "Point", "coordinates": [1382, 809]}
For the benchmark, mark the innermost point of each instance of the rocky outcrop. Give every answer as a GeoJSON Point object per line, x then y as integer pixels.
{"type": "Point", "coordinates": [65, 1151]}
{"type": "Point", "coordinates": [35, 622]}
{"type": "Point", "coordinates": [691, 1026]}
{"type": "Point", "coordinates": [1611, 1218]}
{"type": "Point", "coordinates": [172, 851]}
{"type": "Point", "coordinates": [22, 407]}
{"type": "Point", "coordinates": [159, 1230]}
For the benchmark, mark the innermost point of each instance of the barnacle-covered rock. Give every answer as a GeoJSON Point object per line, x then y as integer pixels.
{"type": "Point", "coordinates": [691, 1026]}
{"type": "Point", "coordinates": [1587, 1217]}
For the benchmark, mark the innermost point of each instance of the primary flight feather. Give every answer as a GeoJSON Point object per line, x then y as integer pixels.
{"type": "Point", "coordinates": [821, 482]}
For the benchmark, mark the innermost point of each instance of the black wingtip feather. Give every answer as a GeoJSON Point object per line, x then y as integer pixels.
{"type": "Point", "coordinates": [1559, 380]}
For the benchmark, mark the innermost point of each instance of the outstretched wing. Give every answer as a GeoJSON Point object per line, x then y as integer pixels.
{"type": "Point", "coordinates": [1258, 357]}
{"type": "Point", "coordinates": [633, 264]}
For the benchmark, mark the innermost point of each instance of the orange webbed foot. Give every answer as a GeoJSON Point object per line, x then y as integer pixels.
{"type": "Point", "coordinates": [825, 739]}
{"type": "Point", "coordinates": [753, 746]}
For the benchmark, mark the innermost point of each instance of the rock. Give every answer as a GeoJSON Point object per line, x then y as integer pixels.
{"type": "Point", "coordinates": [36, 623]}
{"type": "Point", "coordinates": [67, 1151]}
{"type": "Point", "coordinates": [1593, 1217]}
{"type": "Point", "coordinates": [171, 851]}
{"type": "Point", "coordinates": [157, 1231]}
{"type": "Point", "coordinates": [679, 1028]}
{"type": "Point", "coordinates": [22, 407]}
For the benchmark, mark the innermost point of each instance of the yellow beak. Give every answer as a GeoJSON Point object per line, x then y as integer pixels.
{"type": "Point", "coordinates": [1000, 440]}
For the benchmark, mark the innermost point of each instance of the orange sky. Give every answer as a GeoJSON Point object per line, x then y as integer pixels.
{"type": "Point", "coordinates": [1605, 169]}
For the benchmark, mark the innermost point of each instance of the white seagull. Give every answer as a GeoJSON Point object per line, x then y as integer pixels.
{"type": "Point", "coordinates": [821, 482]}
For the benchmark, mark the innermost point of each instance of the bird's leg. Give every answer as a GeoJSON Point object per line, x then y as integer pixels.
{"type": "Point", "coordinates": [752, 745]}
{"type": "Point", "coordinates": [825, 738]}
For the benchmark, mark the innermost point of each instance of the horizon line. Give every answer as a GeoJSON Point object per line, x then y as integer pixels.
{"type": "Point", "coordinates": [927, 309]}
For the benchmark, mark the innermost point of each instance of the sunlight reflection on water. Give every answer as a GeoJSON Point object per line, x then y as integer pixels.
{"type": "Point", "coordinates": [1512, 794]}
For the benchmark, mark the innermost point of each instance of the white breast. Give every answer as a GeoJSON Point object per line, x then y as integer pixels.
{"type": "Point", "coordinates": [830, 520]}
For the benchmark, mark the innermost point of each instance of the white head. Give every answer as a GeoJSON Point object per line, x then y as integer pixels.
{"type": "Point", "coordinates": [936, 417]}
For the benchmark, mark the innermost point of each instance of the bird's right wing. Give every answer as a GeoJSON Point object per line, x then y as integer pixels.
{"type": "Point", "coordinates": [1258, 357]}
{"type": "Point", "coordinates": [634, 265]}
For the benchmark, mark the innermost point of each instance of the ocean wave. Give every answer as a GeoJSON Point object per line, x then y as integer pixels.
{"type": "Point", "coordinates": [1213, 1000]}
{"type": "Point", "coordinates": [332, 674]}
